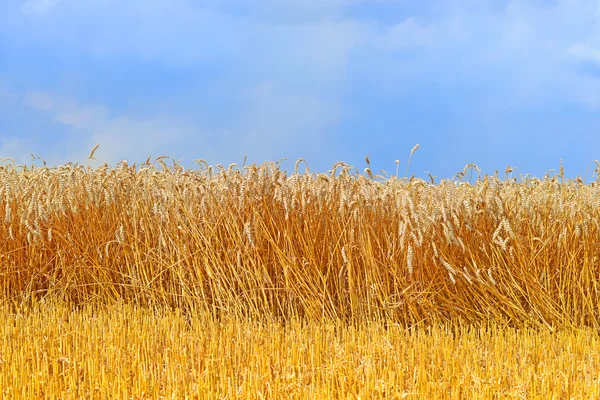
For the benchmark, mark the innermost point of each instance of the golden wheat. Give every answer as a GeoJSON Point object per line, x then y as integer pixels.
{"type": "Point", "coordinates": [128, 352]}
{"type": "Point", "coordinates": [95, 228]}
{"type": "Point", "coordinates": [256, 245]}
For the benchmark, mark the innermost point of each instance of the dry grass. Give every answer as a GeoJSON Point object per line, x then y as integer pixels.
{"type": "Point", "coordinates": [257, 245]}
{"type": "Point", "coordinates": [122, 351]}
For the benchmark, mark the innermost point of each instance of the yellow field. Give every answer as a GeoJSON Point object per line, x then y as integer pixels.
{"type": "Point", "coordinates": [127, 352]}
{"type": "Point", "coordinates": [142, 282]}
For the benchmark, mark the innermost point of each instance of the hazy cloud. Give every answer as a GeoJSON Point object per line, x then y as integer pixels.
{"type": "Point", "coordinates": [16, 148]}
{"type": "Point", "coordinates": [280, 122]}
{"type": "Point", "coordinates": [39, 100]}
{"type": "Point", "coordinates": [120, 137]}
{"type": "Point", "coordinates": [38, 7]}
{"type": "Point", "coordinates": [584, 53]}
{"type": "Point", "coordinates": [273, 77]}
{"type": "Point", "coordinates": [405, 35]}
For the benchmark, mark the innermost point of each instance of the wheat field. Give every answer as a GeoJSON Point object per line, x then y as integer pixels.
{"type": "Point", "coordinates": [154, 281]}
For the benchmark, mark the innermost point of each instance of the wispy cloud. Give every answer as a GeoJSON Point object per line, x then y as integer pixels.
{"type": "Point", "coordinates": [287, 79]}
{"type": "Point", "coordinates": [16, 148]}
{"type": "Point", "coordinates": [584, 53]}
{"type": "Point", "coordinates": [527, 47]}
{"type": "Point", "coordinates": [280, 121]}
{"type": "Point", "coordinates": [39, 100]}
{"type": "Point", "coordinates": [38, 7]}
{"type": "Point", "coordinates": [120, 137]}
{"type": "Point", "coordinates": [275, 122]}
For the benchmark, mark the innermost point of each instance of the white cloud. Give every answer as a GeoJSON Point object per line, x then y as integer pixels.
{"type": "Point", "coordinates": [304, 64]}
{"type": "Point", "coordinates": [584, 52]}
{"type": "Point", "coordinates": [520, 55]}
{"type": "Point", "coordinates": [406, 34]}
{"type": "Point", "coordinates": [15, 148]}
{"type": "Point", "coordinates": [82, 116]}
{"type": "Point", "coordinates": [67, 112]}
{"type": "Point", "coordinates": [39, 100]}
{"type": "Point", "coordinates": [120, 137]}
{"type": "Point", "coordinates": [292, 64]}
{"type": "Point", "coordinates": [128, 138]}
{"type": "Point", "coordinates": [325, 45]}
{"type": "Point", "coordinates": [4, 94]}
{"type": "Point", "coordinates": [285, 123]}
{"type": "Point", "coordinates": [38, 7]}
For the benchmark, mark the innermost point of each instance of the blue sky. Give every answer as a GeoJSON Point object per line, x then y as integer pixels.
{"type": "Point", "coordinates": [494, 83]}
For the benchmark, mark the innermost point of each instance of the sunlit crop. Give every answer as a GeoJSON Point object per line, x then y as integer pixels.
{"type": "Point", "coordinates": [153, 280]}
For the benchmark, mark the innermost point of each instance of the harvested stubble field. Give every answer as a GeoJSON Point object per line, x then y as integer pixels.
{"type": "Point", "coordinates": [156, 281]}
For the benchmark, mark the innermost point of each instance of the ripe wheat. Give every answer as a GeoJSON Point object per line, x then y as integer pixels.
{"type": "Point", "coordinates": [254, 244]}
